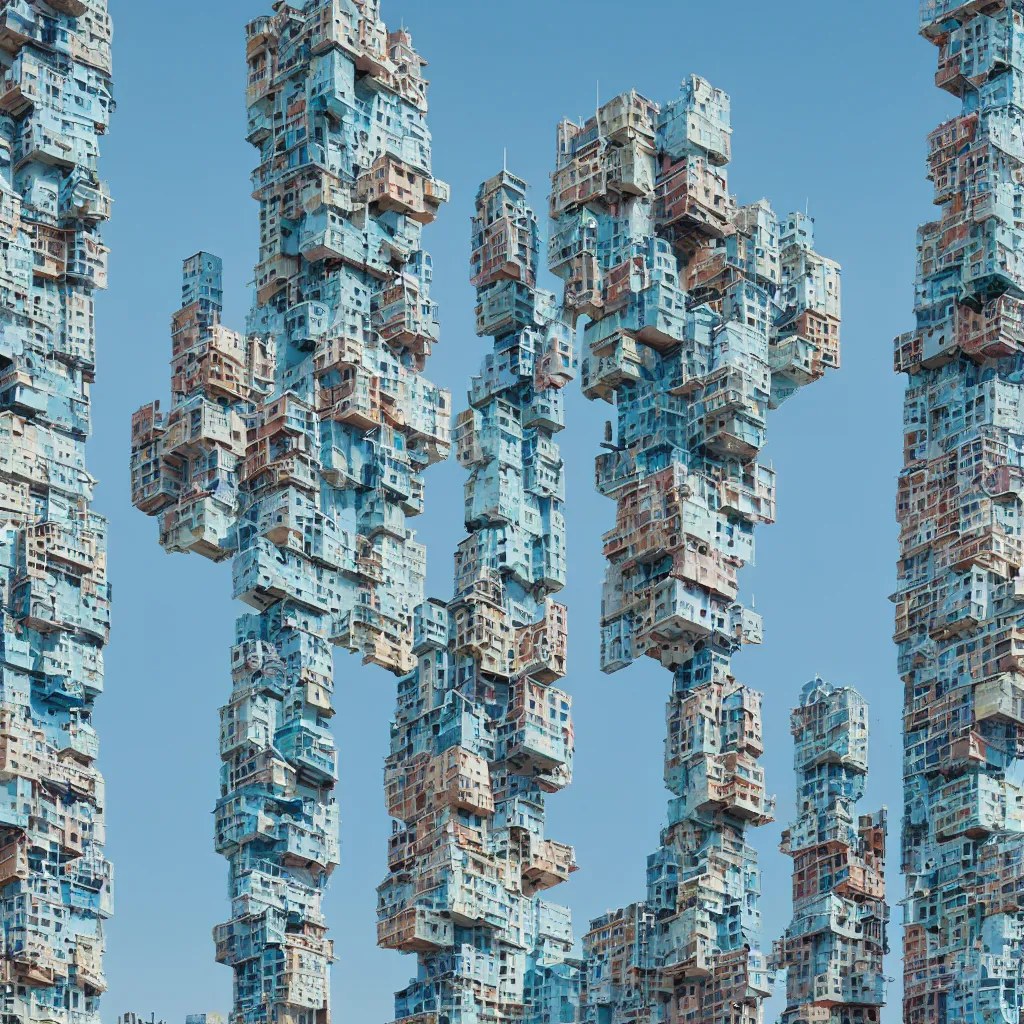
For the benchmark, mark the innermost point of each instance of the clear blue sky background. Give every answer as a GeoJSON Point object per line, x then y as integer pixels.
{"type": "Point", "coordinates": [831, 103]}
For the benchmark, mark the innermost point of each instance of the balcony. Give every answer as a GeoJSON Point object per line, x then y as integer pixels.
{"type": "Point", "coordinates": [949, 75]}
{"type": "Point", "coordinates": [583, 179]}
{"type": "Point", "coordinates": [87, 259]}
{"type": "Point", "coordinates": [14, 865]}
{"type": "Point", "coordinates": [202, 524]}
{"type": "Point", "coordinates": [548, 864]}
{"type": "Point", "coordinates": [310, 750]}
{"type": "Point", "coordinates": [699, 120]}
{"type": "Point", "coordinates": [357, 401]}
{"type": "Point", "coordinates": [460, 779]}
{"type": "Point", "coordinates": [997, 330]}
{"type": "Point", "coordinates": [546, 410]}
{"type": "Point", "coordinates": [84, 200]}
{"type": "Point", "coordinates": [574, 239]}
{"type": "Point", "coordinates": [468, 449]}
{"type": "Point", "coordinates": [19, 87]}
{"type": "Point", "coordinates": [430, 627]}
{"type": "Point", "coordinates": [334, 354]}
{"type": "Point", "coordinates": [957, 621]}
{"type": "Point", "coordinates": [53, 608]}
{"type": "Point", "coordinates": [19, 25]}
{"type": "Point", "coordinates": [436, 191]}
{"type": "Point", "coordinates": [538, 738]}
{"type": "Point", "coordinates": [72, 547]}
{"type": "Point", "coordinates": [1000, 699]}
{"type": "Point", "coordinates": [692, 201]}
{"type": "Point", "coordinates": [36, 142]}
{"type": "Point", "coordinates": [630, 167]}
{"type": "Point", "coordinates": [502, 250]}
{"type": "Point", "coordinates": [738, 435]}
{"type": "Point", "coordinates": [72, 8]}
{"type": "Point", "coordinates": [541, 647]}
{"type": "Point", "coordinates": [155, 485]}
{"type": "Point", "coordinates": [261, 126]}
{"type": "Point", "coordinates": [934, 13]}
{"type": "Point", "coordinates": [305, 323]}
{"type": "Point", "coordinates": [381, 516]}
{"type": "Point", "coordinates": [393, 186]}
{"type": "Point", "coordinates": [264, 575]}
{"type": "Point", "coordinates": [613, 362]}
{"type": "Point", "coordinates": [504, 307]}
{"type": "Point", "coordinates": [750, 498]}
{"type": "Point", "coordinates": [796, 359]}
{"type": "Point", "coordinates": [992, 265]}
{"type": "Point", "coordinates": [415, 930]}
{"type": "Point", "coordinates": [87, 960]}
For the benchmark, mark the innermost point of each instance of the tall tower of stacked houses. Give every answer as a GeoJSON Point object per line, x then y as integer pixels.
{"type": "Point", "coordinates": [702, 316]}
{"type": "Point", "coordinates": [482, 734]}
{"type": "Point", "coordinates": [959, 619]}
{"type": "Point", "coordinates": [55, 103]}
{"type": "Point", "coordinates": [297, 449]}
{"type": "Point", "coordinates": [833, 950]}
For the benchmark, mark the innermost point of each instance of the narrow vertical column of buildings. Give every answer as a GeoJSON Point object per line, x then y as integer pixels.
{"type": "Point", "coordinates": [55, 884]}
{"type": "Point", "coordinates": [833, 950]}
{"type": "Point", "coordinates": [297, 449]}
{"type": "Point", "coordinates": [702, 316]}
{"type": "Point", "coordinates": [482, 733]}
{"type": "Point", "coordinates": [959, 620]}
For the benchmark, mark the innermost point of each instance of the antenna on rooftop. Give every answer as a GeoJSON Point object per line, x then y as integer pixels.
{"type": "Point", "coordinates": [504, 159]}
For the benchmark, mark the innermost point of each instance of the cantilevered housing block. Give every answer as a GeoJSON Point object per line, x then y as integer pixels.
{"type": "Point", "coordinates": [703, 316]}
{"type": "Point", "coordinates": [483, 730]}
{"type": "Point", "coordinates": [297, 449]}
{"type": "Point", "coordinates": [959, 618]}
{"type": "Point", "coordinates": [55, 103]}
{"type": "Point", "coordinates": [832, 952]}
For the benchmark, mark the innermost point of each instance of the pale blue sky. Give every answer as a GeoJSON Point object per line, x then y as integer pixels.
{"type": "Point", "coordinates": [831, 103]}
